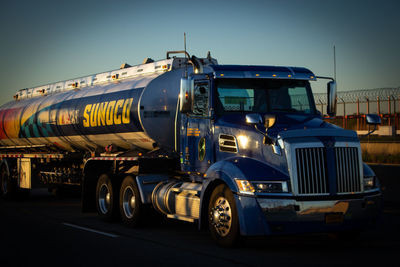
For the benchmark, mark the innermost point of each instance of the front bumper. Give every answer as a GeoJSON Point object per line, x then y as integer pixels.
{"type": "Point", "coordinates": [287, 216]}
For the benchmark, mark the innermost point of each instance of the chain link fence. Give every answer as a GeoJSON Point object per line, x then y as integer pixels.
{"type": "Point", "coordinates": [353, 105]}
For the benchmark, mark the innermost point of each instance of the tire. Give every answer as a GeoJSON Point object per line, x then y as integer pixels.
{"type": "Point", "coordinates": [8, 187]}
{"type": "Point", "coordinates": [106, 198]}
{"type": "Point", "coordinates": [130, 205]}
{"type": "Point", "coordinates": [223, 220]}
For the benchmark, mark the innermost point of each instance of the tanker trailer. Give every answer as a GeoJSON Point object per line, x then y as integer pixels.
{"type": "Point", "coordinates": [240, 150]}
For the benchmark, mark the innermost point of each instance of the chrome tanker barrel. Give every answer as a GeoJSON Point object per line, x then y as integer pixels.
{"type": "Point", "coordinates": [132, 112]}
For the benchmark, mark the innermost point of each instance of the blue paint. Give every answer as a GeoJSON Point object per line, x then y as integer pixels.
{"type": "Point", "coordinates": [251, 219]}
{"type": "Point", "coordinates": [75, 108]}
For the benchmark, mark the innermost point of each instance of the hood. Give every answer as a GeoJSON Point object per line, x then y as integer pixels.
{"type": "Point", "coordinates": [290, 128]}
{"type": "Point", "coordinates": [292, 125]}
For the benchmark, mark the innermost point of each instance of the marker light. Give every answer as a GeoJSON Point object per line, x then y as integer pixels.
{"type": "Point", "coordinates": [245, 186]}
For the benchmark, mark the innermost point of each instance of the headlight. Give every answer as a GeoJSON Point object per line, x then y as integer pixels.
{"type": "Point", "coordinates": [271, 187]}
{"type": "Point", "coordinates": [247, 187]}
{"type": "Point", "coordinates": [370, 182]}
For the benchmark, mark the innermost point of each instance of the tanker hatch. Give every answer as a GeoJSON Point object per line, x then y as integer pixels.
{"type": "Point", "coordinates": [147, 60]}
{"type": "Point", "coordinates": [124, 66]}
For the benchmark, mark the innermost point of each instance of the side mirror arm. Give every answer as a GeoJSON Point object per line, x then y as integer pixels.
{"type": "Point", "coordinates": [267, 140]}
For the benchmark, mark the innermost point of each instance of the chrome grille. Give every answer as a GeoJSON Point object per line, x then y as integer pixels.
{"type": "Point", "coordinates": [311, 170]}
{"type": "Point", "coordinates": [347, 170]}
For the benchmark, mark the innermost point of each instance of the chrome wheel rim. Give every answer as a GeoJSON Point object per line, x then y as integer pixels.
{"type": "Point", "coordinates": [104, 199]}
{"type": "Point", "coordinates": [221, 216]}
{"type": "Point", "coordinates": [129, 202]}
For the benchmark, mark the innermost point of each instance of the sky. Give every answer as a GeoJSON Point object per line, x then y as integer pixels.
{"type": "Point", "coordinates": [50, 41]}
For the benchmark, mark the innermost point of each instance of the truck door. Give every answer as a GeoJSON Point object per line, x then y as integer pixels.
{"type": "Point", "coordinates": [196, 131]}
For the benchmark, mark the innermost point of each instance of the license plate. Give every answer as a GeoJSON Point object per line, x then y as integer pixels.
{"type": "Point", "coordinates": [332, 218]}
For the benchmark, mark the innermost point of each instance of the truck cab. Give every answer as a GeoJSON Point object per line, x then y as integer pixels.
{"type": "Point", "coordinates": [274, 165]}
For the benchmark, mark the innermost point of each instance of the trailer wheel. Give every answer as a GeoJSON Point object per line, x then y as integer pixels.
{"type": "Point", "coordinates": [105, 198]}
{"type": "Point", "coordinates": [222, 217]}
{"type": "Point", "coordinates": [130, 205]}
{"type": "Point", "coordinates": [7, 185]}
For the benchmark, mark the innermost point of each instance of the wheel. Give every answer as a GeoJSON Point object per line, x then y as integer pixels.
{"type": "Point", "coordinates": [7, 185]}
{"type": "Point", "coordinates": [106, 198]}
{"type": "Point", "coordinates": [130, 205]}
{"type": "Point", "coordinates": [223, 219]}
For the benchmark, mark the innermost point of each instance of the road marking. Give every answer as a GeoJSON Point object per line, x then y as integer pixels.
{"type": "Point", "coordinates": [90, 230]}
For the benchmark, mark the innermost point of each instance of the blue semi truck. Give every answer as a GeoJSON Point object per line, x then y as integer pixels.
{"type": "Point", "coordinates": [238, 149]}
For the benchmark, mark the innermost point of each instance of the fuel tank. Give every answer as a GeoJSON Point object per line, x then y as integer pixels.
{"type": "Point", "coordinates": [128, 113]}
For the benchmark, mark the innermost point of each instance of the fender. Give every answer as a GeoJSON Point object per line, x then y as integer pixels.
{"type": "Point", "coordinates": [243, 168]}
{"type": "Point", "coordinates": [251, 219]}
{"type": "Point", "coordinates": [368, 172]}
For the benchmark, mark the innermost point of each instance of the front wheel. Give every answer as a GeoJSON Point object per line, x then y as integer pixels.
{"type": "Point", "coordinates": [130, 205]}
{"type": "Point", "coordinates": [222, 217]}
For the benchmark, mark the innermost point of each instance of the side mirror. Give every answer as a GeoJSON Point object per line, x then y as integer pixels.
{"type": "Point", "coordinates": [253, 118]}
{"type": "Point", "coordinates": [269, 120]}
{"type": "Point", "coordinates": [332, 95]}
{"type": "Point", "coordinates": [373, 119]}
{"type": "Point", "coordinates": [186, 95]}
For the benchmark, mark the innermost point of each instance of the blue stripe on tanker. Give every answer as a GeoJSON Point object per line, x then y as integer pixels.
{"type": "Point", "coordinates": [111, 113]}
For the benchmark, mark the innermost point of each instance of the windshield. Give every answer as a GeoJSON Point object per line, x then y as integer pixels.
{"type": "Point", "coordinates": [264, 96]}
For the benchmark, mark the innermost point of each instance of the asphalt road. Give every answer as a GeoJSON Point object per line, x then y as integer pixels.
{"type": "Point", "coordinates": [48, 230]}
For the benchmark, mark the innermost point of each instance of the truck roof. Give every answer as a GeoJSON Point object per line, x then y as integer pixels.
{"type": "Point", "coordinates": [253, 71]}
